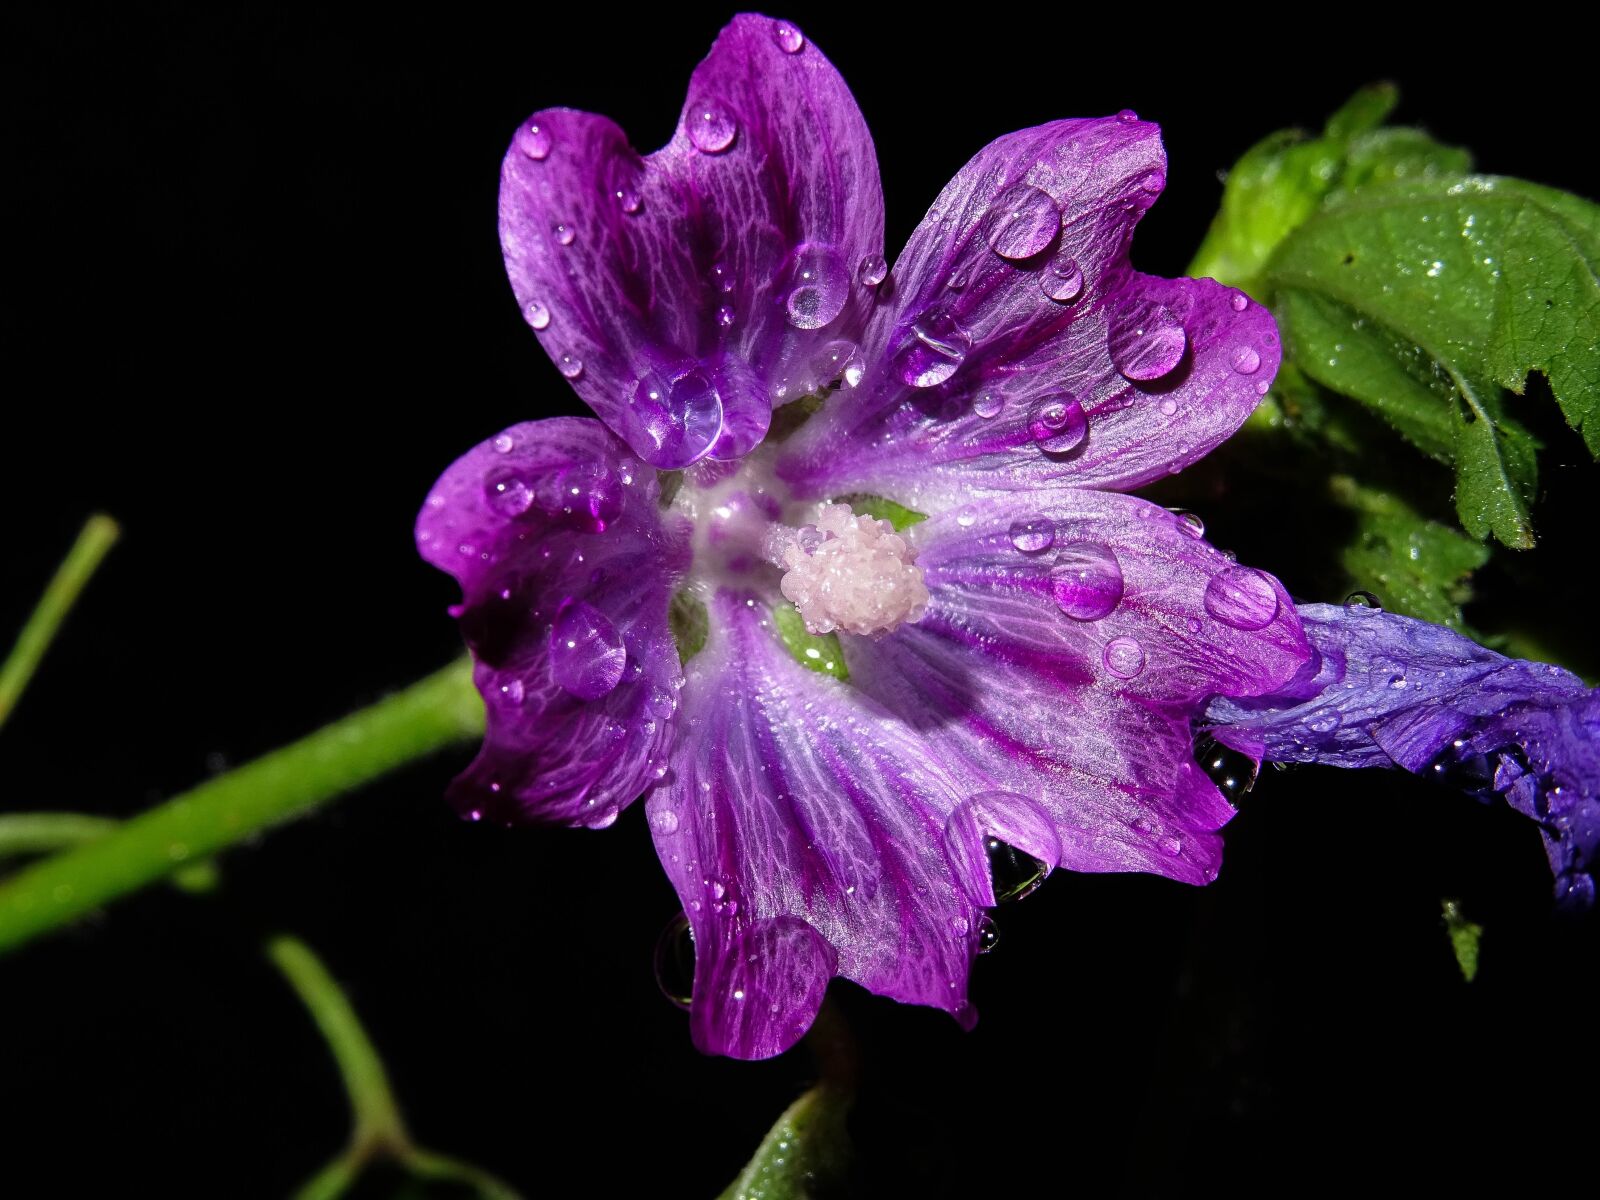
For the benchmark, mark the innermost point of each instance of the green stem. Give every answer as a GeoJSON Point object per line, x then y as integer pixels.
{"type": "Point", "coordinates": [438, 711]}
{"type": "Point", "coordinates": [378, 1124]}
{"type": "Point", "coordinates": [98, 535]}
{"type": "Point", "coordinates": [47, 832]}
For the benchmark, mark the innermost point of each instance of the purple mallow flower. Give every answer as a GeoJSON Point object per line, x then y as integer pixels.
{"type": "Point", "coordinates": [1390, 691]}
{"type": "Point", "coordinates": [930, 648]}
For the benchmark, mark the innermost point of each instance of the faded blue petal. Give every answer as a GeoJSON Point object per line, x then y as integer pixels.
{"type": "Point", "coordinates": [1388, 690]}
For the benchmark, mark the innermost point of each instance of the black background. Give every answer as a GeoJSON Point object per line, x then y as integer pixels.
{"type": "Point", "coordinates": [254, 304]}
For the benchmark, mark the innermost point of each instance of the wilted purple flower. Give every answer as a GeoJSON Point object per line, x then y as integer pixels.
{"type": "Point", "coordinates": [1390, 691]}
{"type": "Point", "coordinates": [1003, 684]}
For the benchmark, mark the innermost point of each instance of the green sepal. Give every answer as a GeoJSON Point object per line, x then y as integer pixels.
{"type": "Point", "coordinates": [819, 652]}
{"type": "Point", "coordinates": [690, 624]}
{"type": "Point", "coordinates": [881, 509]}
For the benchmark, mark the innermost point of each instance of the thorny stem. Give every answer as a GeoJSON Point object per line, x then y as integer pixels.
{"type": "Point", "coordinates": [98, 535]}
{"type": "Point", "coordinates": [433, 713]}
{"type": "Point", "coordinates": [377, 1127]}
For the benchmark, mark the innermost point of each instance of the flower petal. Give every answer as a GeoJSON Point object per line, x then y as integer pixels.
{"type": "Point", "coordinates": [566, 568]}
{"type": "Point", "coordinates": [1394, 691]}
{"type": "Point", "coordinates": [684, 292]}
{"type": "Point", "coordinates": [990, 372]}
{"type": "Point", "coordinates": [1069, 639]}
{"type": "Point", "coordinates": [803, 831]}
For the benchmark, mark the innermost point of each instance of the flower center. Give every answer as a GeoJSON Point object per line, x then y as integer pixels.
{"type": "Point", "coordinates": [848, 572]}
{"type": "Point", "coordinates": [843, 572]}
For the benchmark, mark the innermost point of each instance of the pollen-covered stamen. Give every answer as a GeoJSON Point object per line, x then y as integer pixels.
{"type": "Point", "coordinates": [849, 573]}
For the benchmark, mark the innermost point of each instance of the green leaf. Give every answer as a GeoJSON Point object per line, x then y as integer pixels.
{"type": "Point", "coordinates": [800, 1154]}
{"type": "Point", "coordinates": [690, 624]}
{"type": "Point", "coordinates": [1283, 180]}
{"type": "Point", "coordinates": [880, 509]}
{"type": "Point", "coordinates": [1465, 938]}
{"type": "Point", "coordinates": [1417, 567]}
{"type": "Point", "coordinates": [1426, 300]}
{"type": "Point", "coordinates": [820, 652]}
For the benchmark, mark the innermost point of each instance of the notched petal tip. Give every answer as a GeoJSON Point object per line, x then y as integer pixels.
{"type": "Point", "coordinates": [684, 292]}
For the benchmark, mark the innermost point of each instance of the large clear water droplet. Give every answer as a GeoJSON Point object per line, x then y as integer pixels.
{"type": "Point", "coordinates": [873, 270]}
{"type": "Point", "coordinates": [1233, 772]}
{"type": "Point", "coordinates": [1147, 343]}
{"type": "Point", "coordinates": [937, 347]}
{"type": "Point", "coordinates": [1058, 424]}
{"type": "Point", "coordinates": [1086, 581]}
{"type": "Point", "coordinates": [989, 932]}
{"type": "Point", "coordinates": [1123, 657]}
{"type": "Point", "coordinates": [1062, 279]}
{"type": "Point", "coordinates": [509, 494]}
{"type": "Point", "coordinates": [674, 961]}
{"type": "Point", "coordinates": [1363, 602]}
{"type": "Point", "coordinates": [1033, 535]}
{"type": "Point", "coordinates": [1001, 846]}
{"type": "Point", "coordinates": [790, 40]}
{"type": "Point", "coordinates": [570, 366]}
{"type": "Point", "coordinates": [680, 419]}
{"type": "Point", "coordinates": [1242, 597]}
{"type": "Point", "coordinates": [1191, 523]}
{"type": "Point", "coordinates": [711, 128]}
{"type": "Point", "coordinates": [538, 315]}
{"type": "Point", "coordinates": [1023, 222]}
{"type": "Point", "coordinates": [534, 141]}
{"type": "Point", "coordinates": [988, 403]}
{"type": "Point", "coordinates": [1245, 360]}
{"type": "Point", "coordinates": [819, 285]}
{"type": "Point", "coordinates": [586, 652]}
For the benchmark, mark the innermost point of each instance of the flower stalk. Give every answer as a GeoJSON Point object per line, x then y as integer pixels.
{"type": "Point", "coordinates": [438, 711]}
{"type": "Point", "coordinates": [378, 1129]}
{"type": "Point", "coordinates": [96, 538]}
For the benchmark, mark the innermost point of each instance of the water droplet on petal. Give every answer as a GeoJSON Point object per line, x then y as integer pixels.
{"type": "Point", "coordinates": [565, 234]}
{"type": "Point", "coordinates": [937, 347]}
{"type": "Point", "coordinates": [628, 200]}
{"type": "Point", "coordinates": [1239, 301]}
{"type": "Point", "coordinates": [1147, 343]}
{"type": "Point", "coordinates": [509, 495]}
{"type": "Point", "coordinates": [1324, 721]}
{"type": "Point", "coordinates": [790, 40]}
{"type": "Point", "coordinates": [1233, 772]}
{"type": "Point", "coordinates": [873, 270]}
{"type": "Point", "coordinates": [683, 419]}
{"type": "Point", "coordinates": [1062, 280]}
{"type": "Point", "coordinates": [538, 315]}
{"type": "Point", "coordinates": [1059, 424]}
{"type": "Point", "coordinates": [725, 315]}
{"type": "Point", "coordinates": [1123, 657]}
{"type": "Point", "coordinates": [988, 404]}
{"type": "Point", "coordinates": [818, 287]}
{"type": "Point", "coordinates": [1191, 523]}
{"type": "Point", "coordinates": [1127, 116]}
{"type": "Point", "coordinates": [570, 366]}
{"type": "Point", "coordinates": [674, 961]}
{"type": "Point", "coordinates": [1245, 360]}
{"type": "Point", "coordinates": [534, 142]}
{"type": "Point", "coordinates": [1363, 601]}
{"type": "Point", "coordinates": [722, 277]}
{"type": "Point", "coordinates": [1001, 847]}
{"type": "Point", "coordinates": [504, 443]}
{"type": "Point", "coordinates": [966, 516]}
{"type": "Point", "coordinates": [1023, 223]}
{"type": "Point", "coordinates": [663, 822]}
{"type": "Point", "coordinates": [989, 932]}
{"type": "Point", "coordinates": [1034, 535]}
{"type": "Point", "coordinates": [586, 652]}
{"type": "Point", "coordinates": [1242, 597]}
{"type": "Point", "coordinates": [1086, 581]}
{"type": "Point", "coordinates": [711, 129]}
{"type": "Point", "coordinates": [1168, 406]}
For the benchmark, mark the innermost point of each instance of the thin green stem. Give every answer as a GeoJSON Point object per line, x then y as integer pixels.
{"type": "Point", "coordinates": [98, 535]}
{"type": "Point", "coordinates": [378, 1124]}
{"type": "Point", "coordinates": [435, 712]}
